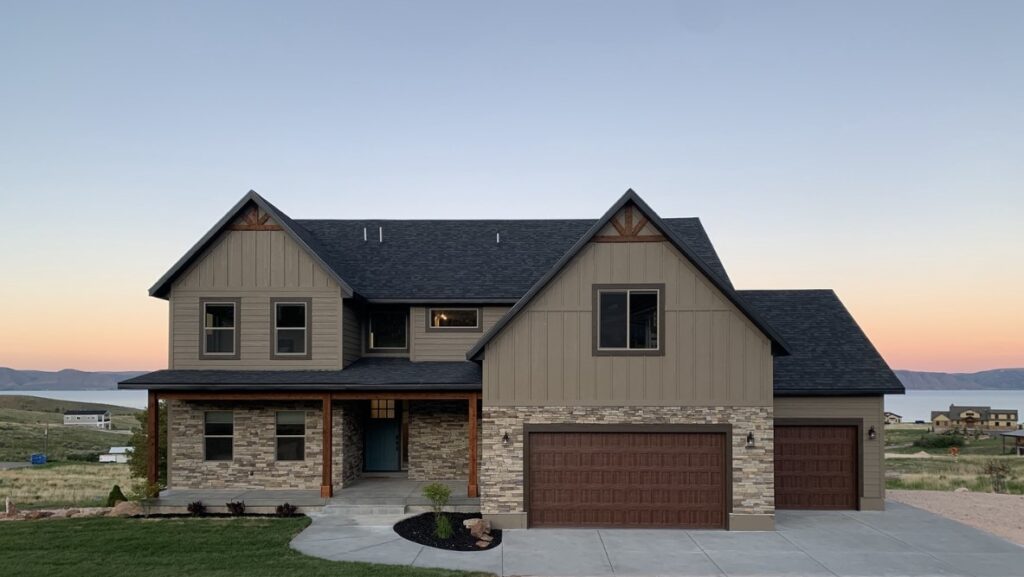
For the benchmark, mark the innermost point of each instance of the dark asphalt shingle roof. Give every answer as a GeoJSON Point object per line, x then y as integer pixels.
{"type": "Point", "coordinates": [828, 351]}
{"type": "Point", "coordinates": [364, 374]}
{"type": "Point", "coordinates": [461, 259]}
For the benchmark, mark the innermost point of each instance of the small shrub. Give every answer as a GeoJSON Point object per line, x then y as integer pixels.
{"type": "Point", "coordinates": [443, 527]}
{"type": "Point", "coordinates": [941, 441]}
{"type": "Point", "coordinates": [997, 472]}
{"type": "Point", "coordinates": [236, 507]}
{"type": "Point", "coordinates": [115, 496]}
{"type": "Point", "coordinates": [286, 510]}
{"type": "Point", "coordinates": [142, 490]}
{"type": "Point", "coordinates": [197, 508]}
{"type": "Point", "coordinates": [438, 495]}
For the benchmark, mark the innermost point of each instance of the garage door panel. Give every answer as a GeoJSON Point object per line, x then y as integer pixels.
{"type": "Point", "coordinates": [627, 479]}
{"type": "Point", "coordinates": [816, 467]}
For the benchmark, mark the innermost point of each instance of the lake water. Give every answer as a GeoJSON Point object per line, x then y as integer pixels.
{"type": "Point", "coordinates": [913, 405]}
{"type": "Point", "coordinates": [919, 404]}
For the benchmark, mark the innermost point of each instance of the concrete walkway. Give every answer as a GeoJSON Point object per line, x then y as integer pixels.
{"type": "Point", "coordinates": [900, 542]}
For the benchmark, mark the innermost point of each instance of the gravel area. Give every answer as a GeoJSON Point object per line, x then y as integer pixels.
{"type": "Point", "coordinates": [1002, 515]}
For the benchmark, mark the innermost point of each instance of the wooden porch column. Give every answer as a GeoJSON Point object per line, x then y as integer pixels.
{"type": "Point", "coordinates": [327, 482]}
{"type": "Point", "coordinates": [153, 439]}
{"type": "Point", "coordinates": [472, 490]}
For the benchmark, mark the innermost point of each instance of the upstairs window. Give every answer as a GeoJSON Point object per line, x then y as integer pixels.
{"type": "Point", "coordinates": [220, 328]}
{"type": "Point", "coordinates": [218, 435]}
{"type": "Point", "coordinates": [453, 319]}
{"type": "Point", "coordinates": [291, 436]}
{"type": "Point", "coordinates": [388, 331]}
{"type": "Point", "coordinates": [628, 320]}
{"type": "Point", "coordinates": [291, 328]}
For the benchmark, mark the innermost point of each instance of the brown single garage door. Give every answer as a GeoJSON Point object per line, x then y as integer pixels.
{"type": "Point", "coordinates": [625, 479]}
{"type": "Point", "coordinates": [816, 467]}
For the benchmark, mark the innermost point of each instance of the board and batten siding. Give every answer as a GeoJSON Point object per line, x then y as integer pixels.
{"type": "Point", "coordinates": [714, 356]}
{"type": "Point", "coordinates": [868, 408]}
{"type": "Point", "coordinates": [255, 266]}
{"type": "Point", "coordinates": [439, 345]}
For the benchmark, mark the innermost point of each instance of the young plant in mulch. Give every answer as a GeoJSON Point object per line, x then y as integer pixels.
{"type": "Point", "coordinates": [422, 529]}
{"type": "Point", "coordinates": [438, 494]}
{"type": "Point", "coordinates": [236, 508]}
{"type": "Point", "coordinates": [286, 510]}
{"type": "Point", "coordinates": [197, 508]}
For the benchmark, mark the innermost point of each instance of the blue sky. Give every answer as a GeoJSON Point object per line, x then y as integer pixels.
{"type": "Point", "coordinates": [872, 147]}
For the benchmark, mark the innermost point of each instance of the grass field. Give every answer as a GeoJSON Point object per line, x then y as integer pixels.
{"type": "Point", "coordinates": [24, 420]}
{"type": "Point", "coordinates": [174, 547]}
{"type": "Point", "coordinates": [941, 472]}
{"type": "Point", "coordinates": [63, 484]}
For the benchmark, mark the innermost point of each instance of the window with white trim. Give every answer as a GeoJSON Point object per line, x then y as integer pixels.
{"type": "Point", "coordinates": [219, 326]}
{"type": "Point", "coordinates": [291, 333]}
{"type": "Point", "coordinates": [628, 319]}
{"type": "Point", "coordinates": [291, 435]}
{"type": "Point", "coordinates": [218, 435]}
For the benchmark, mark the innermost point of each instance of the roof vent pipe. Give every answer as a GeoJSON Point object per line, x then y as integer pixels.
{"type": "Point", "coordinates": [364, 234]}
{"type": "Point", "coordinates": [497, 237]}
{"type": "Point", "coordinates": [380, 231]}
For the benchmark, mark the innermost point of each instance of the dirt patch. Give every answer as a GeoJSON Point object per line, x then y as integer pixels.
{"type": "Point", "coordinates": [1002, 515]}
{"type": "Point", "coordinates": [420, 529]}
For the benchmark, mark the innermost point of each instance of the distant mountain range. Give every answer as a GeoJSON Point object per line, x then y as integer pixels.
{"type": "Point", "coordinates": [63, 380]}
{"type": "Point", "coordinates": [71, 379]}
{"type": "Point", "coordinates": [999, 379]}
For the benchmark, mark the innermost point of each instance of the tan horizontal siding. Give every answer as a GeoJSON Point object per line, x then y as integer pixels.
{"type": "Point", "coordinates": [869, 408]}
{"type": "Point", "coordinates": [446, 346]}
{"type": "Point", "coordinates": [713, 354]}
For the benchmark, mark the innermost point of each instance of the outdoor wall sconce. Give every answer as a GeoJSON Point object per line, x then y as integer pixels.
{"type": "Point", "coordinates": [506, 440]}
{"type": "Point", "coordinates": [750, 440]}
{"type": "Point", "coordinates": [872, 434]}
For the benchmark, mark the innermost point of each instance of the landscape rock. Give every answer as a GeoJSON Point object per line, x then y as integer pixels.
{"type": "Point", "coordinates": [480, 528]}
{"type": "Point", "coordinates": [33, 515]}
{"type": "Point", "coordinates": [10, 510]}
{"type": "Point", "coordinates": [470, 522]}
{"type": "Point", "coordinates": [60, 514]}
{"type": "Point", "coordinates": [125, 509]}
{"type": "Point", "coordinates": [961, 490]}
{"type": "Point", "coordinates": [482, 544]}
{"type": "Point", "coordinates": [93, 512]}
{"type": "Point", "coordinates": [487, 538]}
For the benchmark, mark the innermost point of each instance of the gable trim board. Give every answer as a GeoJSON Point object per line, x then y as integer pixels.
{"type": "Point", "coordinates": [778, 344]}
{"type": "Point", "coordinates": [161, 289]}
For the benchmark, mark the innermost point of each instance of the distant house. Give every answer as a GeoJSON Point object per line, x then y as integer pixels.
{"type": "Point", "coordinates": [88, 418]}
{"type": "Point", "coordinates": [892, 418]}
{"type": "Point", "coordinates": [974, 419]}
{"type": "Point", "coordinates": [116, 455]}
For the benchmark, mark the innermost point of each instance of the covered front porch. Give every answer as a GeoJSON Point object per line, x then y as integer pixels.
{"type": "Point", "coordinates": [371, 495]}
{"type": "Point", "coordinates": [347, 444]}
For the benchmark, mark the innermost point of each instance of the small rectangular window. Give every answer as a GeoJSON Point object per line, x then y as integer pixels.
{"type": "Point", "coordinates": [388, 330]}
{"type": "Point", "coordinates": [453, 318]}
{"type": "Point", "coordinates": [219, 328]}
{"type": "Point", "coordinates": [291, 328]}
{"type": "Point", "coordinates": [218, 435]}
{"type": "Point", "coordinates": [291, 436]}
{"type": "Point", "coordinates": [628, 319]}
{"type": "Point", "coordinates": [382, 409]}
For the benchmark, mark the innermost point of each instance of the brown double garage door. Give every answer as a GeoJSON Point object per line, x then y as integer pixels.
{"type": "Point", "coordinates": [677, 479]}
{"type": "Point", "coordinates": [627, 479]}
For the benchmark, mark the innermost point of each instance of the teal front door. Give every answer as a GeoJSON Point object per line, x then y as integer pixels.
{"type": "Point", "coordinates": [383, 437]}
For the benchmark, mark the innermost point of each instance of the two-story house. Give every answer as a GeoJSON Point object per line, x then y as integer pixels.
{"type": "Point", "coordinates": [574, 372]}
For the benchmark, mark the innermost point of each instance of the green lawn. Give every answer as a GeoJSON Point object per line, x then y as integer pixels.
{"type": "Point", "coordinates": [172, 548]}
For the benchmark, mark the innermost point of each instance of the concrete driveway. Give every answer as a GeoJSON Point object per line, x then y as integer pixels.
{"type": "Point", "coordinates": [902, 541]}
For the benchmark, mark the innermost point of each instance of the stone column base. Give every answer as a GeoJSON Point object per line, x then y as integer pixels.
{"type": "Point", "coordinates": [506, 520]}
{"type": "Point", "coordinates": [872, 504]}
{"type": "Point", "coordinates": [745, 522]}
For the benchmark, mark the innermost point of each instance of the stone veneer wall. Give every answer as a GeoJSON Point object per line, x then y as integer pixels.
{"type": "Point", "coordinates": [348, 441]}
{"type": "Point", "coordinates": [501, 471]}
{"type": "Point", "coordinates": [255, 464]}
{"type": "Point", "coordinates": [438, 440]}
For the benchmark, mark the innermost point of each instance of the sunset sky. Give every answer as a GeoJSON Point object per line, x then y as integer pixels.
{"type": "Point", "coordinates": [876, 148]}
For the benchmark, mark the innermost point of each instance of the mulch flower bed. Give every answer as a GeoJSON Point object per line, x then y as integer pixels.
{"type": "Point", "coordinates": [420, 529]}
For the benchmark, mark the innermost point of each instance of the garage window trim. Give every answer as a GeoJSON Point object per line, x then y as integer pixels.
{"type": "Point", "coordinates": [629, 320]}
